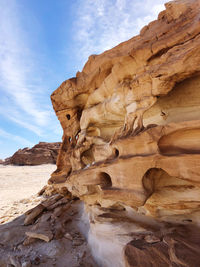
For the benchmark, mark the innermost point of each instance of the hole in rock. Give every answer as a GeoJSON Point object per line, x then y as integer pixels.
{"type": "Point", "coordinates": [155, 180]}
{"type": "Point", "coordinates": [149, 179]}
{"type": "Point", "coordinates": [87, 157]}
{"type": "Point", "coordinates": [105, 180]}
{"type": "Point", "coordinates": [116, 152]}
{"type": "Point", "coordinates": [158, 181]}
{"type": "Point", "coordinates": [68, 117]}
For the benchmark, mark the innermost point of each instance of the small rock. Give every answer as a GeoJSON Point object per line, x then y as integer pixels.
{"type": "Point", "coordinates": [68, 236]}
{"type": "Point", "coordinates": [25, 201]}
{"type": "Point", "coordinates": [46, 235]}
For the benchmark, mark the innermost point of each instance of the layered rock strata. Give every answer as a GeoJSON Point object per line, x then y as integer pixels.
{"type": "Point", "coordinates": [42, 153]}
{"type": "Point", "coordinates": [131, 150]}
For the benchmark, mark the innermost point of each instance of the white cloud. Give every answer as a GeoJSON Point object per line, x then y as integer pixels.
{"type": "Point", "coordinates": [18, 73]}
{"type": "Point", "coordinates": [102, 24]}
{"type": "Point", "coordinates": [16, 138]}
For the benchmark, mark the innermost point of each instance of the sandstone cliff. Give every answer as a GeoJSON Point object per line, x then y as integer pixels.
{"type": "Point", "coordinates": [131, 143]}
{"type": "Point", "coordinates": [42, 153]}
{"type": "Point", "coordinates": [130, 152]}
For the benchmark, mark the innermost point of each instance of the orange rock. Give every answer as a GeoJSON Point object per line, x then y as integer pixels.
{"type": "Point", "coordinates": [131, 131]}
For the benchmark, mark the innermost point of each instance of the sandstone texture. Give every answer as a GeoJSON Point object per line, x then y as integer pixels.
{"type": "Point", "coordinates": [131, 143]}
{"type": "Point", "coordinates": [42, 153]}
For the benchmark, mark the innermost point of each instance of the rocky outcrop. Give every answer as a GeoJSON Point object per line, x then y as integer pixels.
{"type": "Point", "coordinates": [42, 153]}
{"type": "Point", "coordinates": [130, 145]}
{"type": "Point", "coordinates": [47, 235]}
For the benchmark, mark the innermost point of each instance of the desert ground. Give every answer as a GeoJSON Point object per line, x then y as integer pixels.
{"type": "Point", "coordinates": [19, 186]}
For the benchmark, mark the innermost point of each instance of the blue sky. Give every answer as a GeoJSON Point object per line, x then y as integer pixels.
{"type": "Point", "coordinates": [43, 43]}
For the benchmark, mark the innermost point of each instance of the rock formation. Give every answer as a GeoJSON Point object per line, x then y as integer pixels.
{"type": "Point", "coordinates": [131, 143]}
{"type": "Point", "coordinates": [130, 152]}
{"type": "Point", "coordinates": [42, 153]}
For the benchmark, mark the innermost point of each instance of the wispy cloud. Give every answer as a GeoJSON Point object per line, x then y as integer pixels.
{"type": "Point", "coordinates": [98, 25]}
{"type": "Point", "coordinates": [16, 138]}
{"type": "Point", "coordinates": [17, 71]}
{"type": "Point", "coordinates": [102, 24]}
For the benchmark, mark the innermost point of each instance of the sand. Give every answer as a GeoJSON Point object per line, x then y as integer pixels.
{"type": "Point", "coordinates": [19, 186]}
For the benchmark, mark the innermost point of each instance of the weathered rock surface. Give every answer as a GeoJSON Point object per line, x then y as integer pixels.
{"type": "Point", "coordinates": [131, 142]}
{"type": "Point", "coordinates": [178, 248]}
{"type": "Point", "coordinates": [42, 153]}
{"type": "Point", "coordinates": [44, 240]}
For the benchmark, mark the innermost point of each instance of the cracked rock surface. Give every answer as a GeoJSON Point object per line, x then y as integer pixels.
{"type": "Point", "coordinates": [53, 237]}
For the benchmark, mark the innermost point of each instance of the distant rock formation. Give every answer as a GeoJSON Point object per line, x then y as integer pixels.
{"type": "Point", "coordinates": [1, 161]}
{"type": "Point", "coordinates": [42, 153]}
{"type": "Point", "coordinates": [131, 143]}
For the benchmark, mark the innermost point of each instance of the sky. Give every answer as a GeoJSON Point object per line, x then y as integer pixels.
{"type": "Point", "coordinates": [43, 43]}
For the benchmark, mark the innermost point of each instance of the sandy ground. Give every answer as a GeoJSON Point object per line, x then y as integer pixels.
{"type": "Point", "coordinates": [19, 186]}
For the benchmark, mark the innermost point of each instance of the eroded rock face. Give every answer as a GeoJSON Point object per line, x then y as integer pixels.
{"type": "Point", "coordinates": [42, 153]}
{"type": "Point", "coordinates": [131, 150]}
